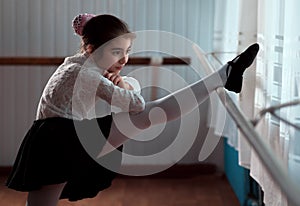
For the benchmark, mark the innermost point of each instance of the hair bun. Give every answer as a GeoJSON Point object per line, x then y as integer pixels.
{"type": "Point", "coordinates": [79, 21]}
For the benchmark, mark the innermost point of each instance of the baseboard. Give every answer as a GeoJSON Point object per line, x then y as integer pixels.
{"type": "Point", "coordinates": [176, 171]}
{"type": "Point", "coordinates": [5, 170]}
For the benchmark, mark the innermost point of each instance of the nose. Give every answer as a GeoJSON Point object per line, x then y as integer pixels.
{"type": "Point", "coordinates": [124, 59]}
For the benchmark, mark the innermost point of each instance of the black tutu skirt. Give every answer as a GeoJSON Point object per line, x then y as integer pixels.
{"type": "Point", "coordinates": [58, 150]}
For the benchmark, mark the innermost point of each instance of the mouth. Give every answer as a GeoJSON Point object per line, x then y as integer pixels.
{"type": "Point", "coordinates": [119, 68]}
{"type": "Point", "coordinates": [115, 69]}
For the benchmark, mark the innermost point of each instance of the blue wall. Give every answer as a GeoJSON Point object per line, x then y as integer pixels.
{"type": "Point", "coordinates": [237, 176]}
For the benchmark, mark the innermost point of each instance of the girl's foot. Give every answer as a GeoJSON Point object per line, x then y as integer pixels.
{"type": "Point", "coordinates": [237, 66]}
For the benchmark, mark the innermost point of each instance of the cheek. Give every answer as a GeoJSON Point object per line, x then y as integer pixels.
{"type": "Point", "coordinates": [107, 61]}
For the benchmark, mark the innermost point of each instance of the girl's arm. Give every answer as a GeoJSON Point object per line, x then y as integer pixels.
{"type": "Point", "coordinates": [118, 80]}
{"type": "Point", "coordinates": [126, 100]}
{"type": "Point", "coordinates": [92, 83]}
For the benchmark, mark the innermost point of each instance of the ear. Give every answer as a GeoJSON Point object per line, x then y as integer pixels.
{"type": "Point", "coordinates": [89, 48]}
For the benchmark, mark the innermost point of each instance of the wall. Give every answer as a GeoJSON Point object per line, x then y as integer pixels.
{"type": "Point", "coordinates": [43, 28]}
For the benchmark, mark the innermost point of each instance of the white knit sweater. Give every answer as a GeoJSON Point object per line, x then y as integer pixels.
{"type": "Point", "coordinates": [78, 90]}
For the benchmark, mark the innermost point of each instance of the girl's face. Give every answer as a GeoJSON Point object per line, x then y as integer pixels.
{"type": "Point", "coordinates": [114, 55]}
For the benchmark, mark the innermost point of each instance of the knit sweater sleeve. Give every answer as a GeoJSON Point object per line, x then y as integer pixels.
{"type": "Point", "coordinates": [91, 83]}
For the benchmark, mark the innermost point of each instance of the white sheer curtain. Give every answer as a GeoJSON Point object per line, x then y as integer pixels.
{"type": "Point", "coordinates": [235, 30]}
{"type": "Point", "coordinates": [277, 73]}
{"type": "Point", "coordinates": [273, 23]}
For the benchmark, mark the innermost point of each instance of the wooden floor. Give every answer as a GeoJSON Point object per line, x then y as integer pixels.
{"type": "Point", "coordinates": [208, 190]}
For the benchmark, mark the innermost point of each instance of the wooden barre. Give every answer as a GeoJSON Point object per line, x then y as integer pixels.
{"type": "Point", "coordinates": [58, 60]}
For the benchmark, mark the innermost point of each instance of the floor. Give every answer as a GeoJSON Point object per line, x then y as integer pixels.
{"type": "Point", "coordinates": [208, 190]}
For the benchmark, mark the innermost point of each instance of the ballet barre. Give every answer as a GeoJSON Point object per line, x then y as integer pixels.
{"type": "Point", "coordinates": [247, 127]}
{"type": "Point", "coordinates": [263, 150]}
{"type": "Point", "coordinates": [150, 61]}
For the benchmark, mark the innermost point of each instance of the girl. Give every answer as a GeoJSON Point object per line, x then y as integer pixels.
{"type": "Point", "coordinates": [52, 163]}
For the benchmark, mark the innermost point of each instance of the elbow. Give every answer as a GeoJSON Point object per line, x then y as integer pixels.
{"type": "Point", "coordinates": [138, 105]}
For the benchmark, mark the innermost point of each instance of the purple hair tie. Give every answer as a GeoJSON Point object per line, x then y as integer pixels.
{"type": "Point", "coordinates": [79, 21]}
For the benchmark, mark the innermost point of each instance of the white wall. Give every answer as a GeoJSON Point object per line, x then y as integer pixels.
{"type": "Point", "coordinates": [43, 28]}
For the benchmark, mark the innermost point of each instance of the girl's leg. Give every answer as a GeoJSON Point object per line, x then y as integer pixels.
{"type": "Point", "coordinates": [175, 105]}
{"type": "Point", "coordinates": [125, 125]}
{"type": "Point", "coordinates": [47, 196]}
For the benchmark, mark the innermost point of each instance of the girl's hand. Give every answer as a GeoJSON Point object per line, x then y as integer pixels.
{"type": "Point", "coordinates": [113, 77]}
{"type": "Point", "coordinates": [117, 80]}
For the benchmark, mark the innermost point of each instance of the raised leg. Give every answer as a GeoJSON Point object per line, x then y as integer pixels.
{"type": "Point", "coordinates": [179, 103]}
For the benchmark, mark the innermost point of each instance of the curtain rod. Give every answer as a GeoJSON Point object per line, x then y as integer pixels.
{"type": "Point", "coordinates": [58, 60]}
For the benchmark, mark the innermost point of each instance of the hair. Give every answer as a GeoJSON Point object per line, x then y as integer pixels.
{"type": "Point", "coordinates": [100, 29]}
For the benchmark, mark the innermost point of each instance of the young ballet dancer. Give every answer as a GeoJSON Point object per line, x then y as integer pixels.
{"type": "Point", "coordinates": [51, 163]}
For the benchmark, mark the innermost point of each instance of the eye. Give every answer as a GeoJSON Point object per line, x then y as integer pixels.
{"type": "Point", "coordinates": [128, 50]}
{"type": "Point", "coordinates": [116, 52]}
